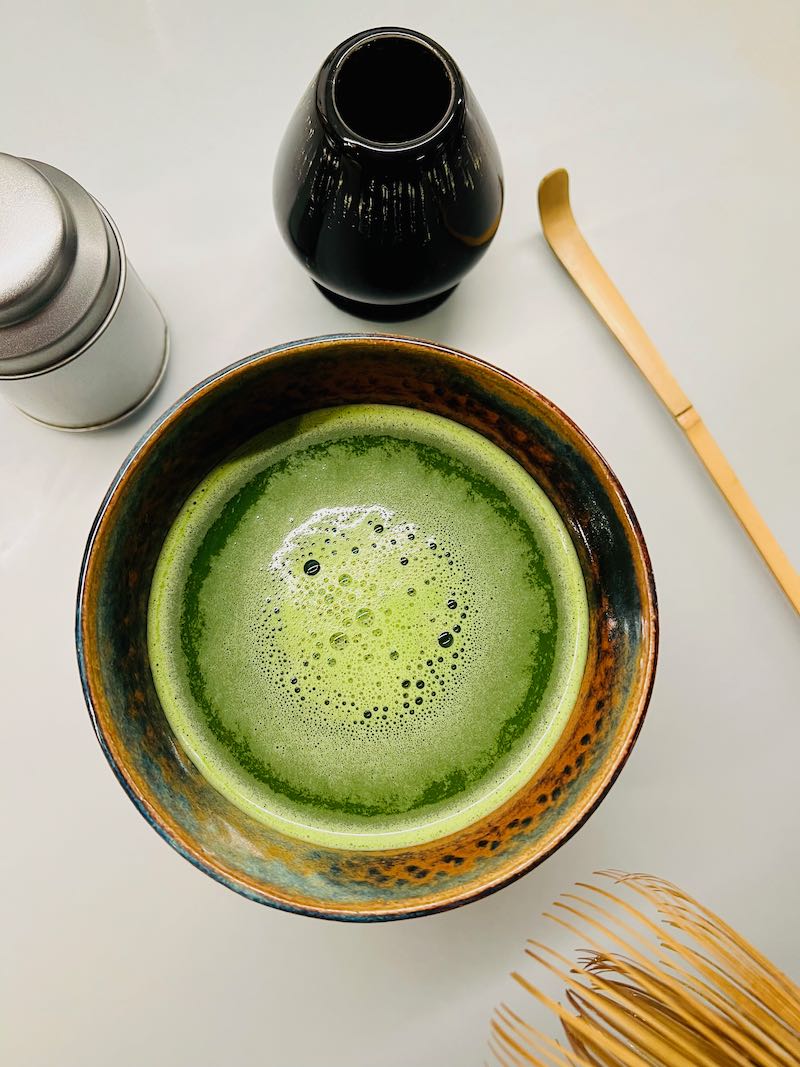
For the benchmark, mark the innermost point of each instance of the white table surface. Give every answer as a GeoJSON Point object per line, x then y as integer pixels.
{"type": "Point", "coordinates": [678, 124]}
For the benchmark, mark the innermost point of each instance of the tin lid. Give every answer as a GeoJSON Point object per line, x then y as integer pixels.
{"type": "Point", "coordinates": [60, 266]}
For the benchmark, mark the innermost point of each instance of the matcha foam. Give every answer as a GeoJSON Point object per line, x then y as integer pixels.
{"type": "Point", "coordinates": [368, 627]}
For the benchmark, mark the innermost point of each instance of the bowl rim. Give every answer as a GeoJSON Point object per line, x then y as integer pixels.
{"type": "Point", "coordinates": [459, 896]}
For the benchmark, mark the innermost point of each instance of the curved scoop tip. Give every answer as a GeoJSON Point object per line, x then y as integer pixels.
{"type": "Point", "coordinates": [553, 189]}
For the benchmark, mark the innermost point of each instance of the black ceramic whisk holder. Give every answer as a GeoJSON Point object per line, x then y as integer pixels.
{"type": "Point", "coordinates": [388, 184]}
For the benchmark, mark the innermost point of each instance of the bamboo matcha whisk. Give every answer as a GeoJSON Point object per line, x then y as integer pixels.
{"type": "Point", "coordinates": [678, 989]}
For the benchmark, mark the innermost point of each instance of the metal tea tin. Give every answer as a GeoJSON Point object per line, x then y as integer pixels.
{"type": "Point", "coordinates": [82, 342]}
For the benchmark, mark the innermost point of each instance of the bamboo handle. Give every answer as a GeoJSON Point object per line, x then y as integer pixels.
{"type": "Point", "coordinates": [576, 257]}
{"type": "Point", "coordinates": [568, 243]}
{"type": "Point", "coordinates": [743, 507]}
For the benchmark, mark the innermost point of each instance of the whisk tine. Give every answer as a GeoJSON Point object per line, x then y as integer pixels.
{"type": "Point", "coordinates": [751, 1036]}
{"type": "Point", "coordinates": [514, 1049]}
{"type": "Point", "coordinates": [607, 1040]}
{"type": "Point", "coordinates": [705, 1016]}
{"type": "Point", "coordinates": [686, 990]}
{"type": "Point", "coordinates": [543, 1045]}
{"type": "Point", "coordinates": [668, 897]}
{"type": "Point", "coordinates": [557, 1048]}
{"type": "Point", "coordinates": [497, 1049]}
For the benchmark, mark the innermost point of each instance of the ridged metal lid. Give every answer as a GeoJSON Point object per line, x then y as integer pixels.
{"type": "Point", "coordinates": [59, 267]}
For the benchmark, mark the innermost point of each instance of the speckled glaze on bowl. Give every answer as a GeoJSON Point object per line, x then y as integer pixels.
{"type": "Point", "coordinates": [199, 431]}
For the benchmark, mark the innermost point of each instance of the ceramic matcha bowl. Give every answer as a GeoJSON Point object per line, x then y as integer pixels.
{"type": "Point", "coordinates": [192, 438]}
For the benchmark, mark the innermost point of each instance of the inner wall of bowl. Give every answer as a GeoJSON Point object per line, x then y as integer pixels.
{"type": "Point", "coordinates": [174, 796]}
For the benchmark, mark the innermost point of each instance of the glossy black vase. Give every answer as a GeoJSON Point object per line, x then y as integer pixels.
{"type": "Point", "coordinates": [388, 185]}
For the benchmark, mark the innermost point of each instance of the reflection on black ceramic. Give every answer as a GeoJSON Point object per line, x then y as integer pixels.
{"type": "Point", "coordinates": [388, 185]}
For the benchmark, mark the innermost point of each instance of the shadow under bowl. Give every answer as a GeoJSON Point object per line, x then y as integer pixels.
{"type": "Point", "coordinates": [195, 435]}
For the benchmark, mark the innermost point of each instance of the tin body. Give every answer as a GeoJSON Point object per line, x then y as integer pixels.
{"type": "Point", "coordinates": [82, 342]}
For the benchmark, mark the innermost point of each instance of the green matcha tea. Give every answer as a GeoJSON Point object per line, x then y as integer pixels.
{"type": "Point", "coordinates": [368, 627]}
